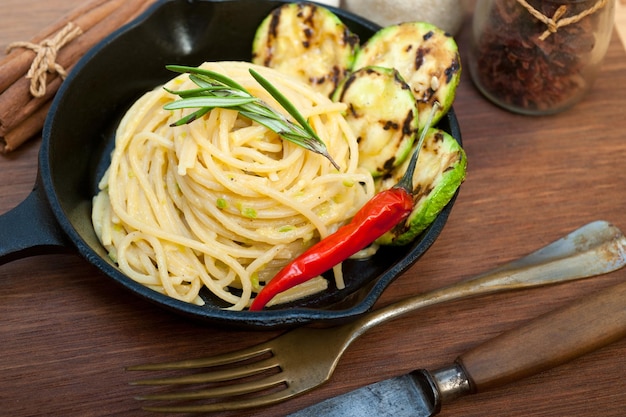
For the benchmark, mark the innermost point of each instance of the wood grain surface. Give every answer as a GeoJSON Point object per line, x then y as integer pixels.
{"type": "Point", "coordinates": [67, 332]}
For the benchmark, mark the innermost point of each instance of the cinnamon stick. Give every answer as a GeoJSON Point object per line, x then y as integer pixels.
{"type": "Point", "coordinates": [25, 130]}
{"type": "Point", "coordinates": [26, 107]}
{"type": "Point", "coordinates": [17, 105]}
{"type": "Point", "coordinates": [17, 62]}
{"type": "Point", "coordinates": [18, 94]}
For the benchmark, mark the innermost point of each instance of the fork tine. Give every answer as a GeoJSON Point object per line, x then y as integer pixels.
{"type": "Point", "coordinates": [242, 404]}
{"type": "Point", "coordinates": [271, 381]}
{"type": "Point", "coordinates": [222, 359]}
{"type": "Point", "coordinates": [221, 375]}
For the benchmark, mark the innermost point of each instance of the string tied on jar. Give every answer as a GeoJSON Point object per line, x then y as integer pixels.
{"type": "Point", "coordinates": [557, 21]}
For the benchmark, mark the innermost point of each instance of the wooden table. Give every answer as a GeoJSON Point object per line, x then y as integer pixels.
{"type": "Point", "coordinates": [66, 332]}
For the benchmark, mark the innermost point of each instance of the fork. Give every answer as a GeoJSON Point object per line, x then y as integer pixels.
{"type": "Point", "coordinates": [276, 370]}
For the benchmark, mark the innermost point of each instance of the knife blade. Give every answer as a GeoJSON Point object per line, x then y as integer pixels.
{"type": "Point", "coordinates": [552, 339]}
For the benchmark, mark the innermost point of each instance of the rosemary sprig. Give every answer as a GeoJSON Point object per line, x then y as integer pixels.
{"type": "Point", "coordinates": [218, 91]}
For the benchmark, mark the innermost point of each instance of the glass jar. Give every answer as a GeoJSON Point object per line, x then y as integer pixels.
{"type": "Point", "coordinates": [538, 56]}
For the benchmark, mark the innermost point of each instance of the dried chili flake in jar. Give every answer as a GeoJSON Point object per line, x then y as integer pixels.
{"type": "Point", "coordinates": [538, 56]}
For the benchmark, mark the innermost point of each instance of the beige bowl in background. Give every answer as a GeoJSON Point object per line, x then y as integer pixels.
{"type": "Point", "coordinates": [446, 14]}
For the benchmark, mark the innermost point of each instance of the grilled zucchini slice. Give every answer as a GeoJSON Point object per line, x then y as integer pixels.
{"type": "Point", "coordinates": [427, 58]}
{"type": "Point", "coordinates": [382, 113]}
{"type": "Point", "coordinates": [307, 41]}
{"type": "Point", "coordinates": [440, 170]}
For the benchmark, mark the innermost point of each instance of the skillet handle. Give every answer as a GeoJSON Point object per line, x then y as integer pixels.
{"type": "Point", "coordinates": [30, 229]}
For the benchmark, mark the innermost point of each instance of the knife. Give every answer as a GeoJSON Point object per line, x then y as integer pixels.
{"type": "Point", "coordinates": [550, 340]}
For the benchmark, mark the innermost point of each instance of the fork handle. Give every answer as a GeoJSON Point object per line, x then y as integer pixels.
{"type": "Point", "coordinates": [550, 340]}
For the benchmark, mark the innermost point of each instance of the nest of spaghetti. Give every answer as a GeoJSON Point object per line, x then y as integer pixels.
{"type": "Point", "coordinates": [224, 203]}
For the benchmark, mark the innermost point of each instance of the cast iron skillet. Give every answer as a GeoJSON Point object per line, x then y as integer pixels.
{"type": "Point", "coordinates": [79, 134]}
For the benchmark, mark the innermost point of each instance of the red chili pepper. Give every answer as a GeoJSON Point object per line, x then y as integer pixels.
{"type": "Point", "coordinates": [379, 215]}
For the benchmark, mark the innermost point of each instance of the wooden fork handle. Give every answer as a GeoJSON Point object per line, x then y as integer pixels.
{"type": "Point", "coordinates": [550, 340]}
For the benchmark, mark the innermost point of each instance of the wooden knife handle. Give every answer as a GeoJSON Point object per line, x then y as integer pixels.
{"type": "Point", "coordinates": [550, 340]}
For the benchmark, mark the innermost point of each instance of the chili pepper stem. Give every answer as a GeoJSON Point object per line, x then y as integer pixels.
{"type": "Point", "coordinates": [406, 181]}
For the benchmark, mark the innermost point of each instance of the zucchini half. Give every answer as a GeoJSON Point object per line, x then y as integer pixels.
{"type": "Point", "coordinates": [306, 41]}
{"type": "Point", "coordinates": [382, 113]}
{"type": "Point", "coordinates": [427, 58]}
{"type": "Point", "coordinates": [439, 172]}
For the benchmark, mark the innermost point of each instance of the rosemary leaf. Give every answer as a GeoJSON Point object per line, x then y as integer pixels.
{"type": "Point", "coordinates": [194, 92]}
{"type": "Point", "coordinates": [208, 101]}
{"type": "Point", "coordinates": [191, 117]}
{"type": "Point", "coordinates": [218, 91]}
{"type": "Point", "coordinates": [210, 76]}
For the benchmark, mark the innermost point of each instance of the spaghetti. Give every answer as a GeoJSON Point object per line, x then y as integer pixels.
{"type": "Point", "coordinates": [223, 202]}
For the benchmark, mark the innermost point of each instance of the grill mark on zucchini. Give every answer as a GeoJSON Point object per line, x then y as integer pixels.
{"type": "Point", "coordinates": [390, 124]}
{"type": "Point", "coordinates": [408, 127]}
{"type": "Point", "coordinates": [309, 30]}
{"type": "Point", "coordinates": [350, 39]}
{"type": "Point", "coordinates": [419, 58]}
{"type": "Point", "coordinates": [452, 70]}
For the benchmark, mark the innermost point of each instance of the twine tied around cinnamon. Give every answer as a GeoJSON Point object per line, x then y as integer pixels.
{"type": "Point", "coordinates": [556, 21]}
{"type": "Point", "coordinates": [45, 57]}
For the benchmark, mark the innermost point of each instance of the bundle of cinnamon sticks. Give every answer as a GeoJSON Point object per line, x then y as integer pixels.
{"type": "Point", "coordinates": [31, 72]}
